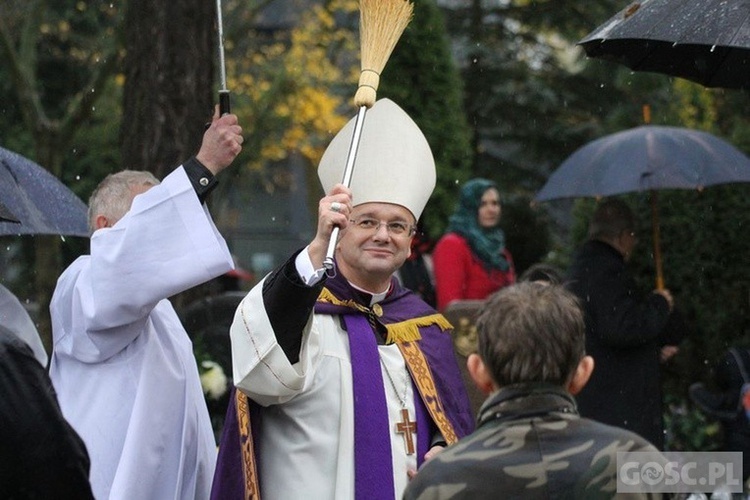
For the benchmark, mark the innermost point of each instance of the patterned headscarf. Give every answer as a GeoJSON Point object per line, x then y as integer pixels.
{"type": "Point", "coordinates": [486, 243]}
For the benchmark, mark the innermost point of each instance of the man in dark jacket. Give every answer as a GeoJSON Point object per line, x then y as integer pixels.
{"type": "Point", "coordinates": [625, 333]}
{"type": "Point", "coordinates": [530, 441]}
{"type": "Point", "coordinates": [42, 456]}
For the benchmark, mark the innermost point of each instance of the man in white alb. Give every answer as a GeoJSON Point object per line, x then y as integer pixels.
{"type": "Point", "coordinates": [122, 363]}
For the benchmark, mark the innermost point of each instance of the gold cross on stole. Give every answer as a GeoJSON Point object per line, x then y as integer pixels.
{"type": "Point", "coordinates": [406, 427]}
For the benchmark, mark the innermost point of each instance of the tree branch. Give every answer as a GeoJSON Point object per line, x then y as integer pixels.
{"type": "Point", "coordinates": [22, 65]}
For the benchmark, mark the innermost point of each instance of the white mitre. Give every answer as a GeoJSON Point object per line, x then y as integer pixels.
{"type": "Point", "coordinates": [394, 163]}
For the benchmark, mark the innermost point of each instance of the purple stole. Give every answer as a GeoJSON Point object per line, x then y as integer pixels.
{"type": "Point", "coordinates": [373, 466]}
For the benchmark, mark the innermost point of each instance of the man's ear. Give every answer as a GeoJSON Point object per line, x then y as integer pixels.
{"type": "Point", "coordinates": [581, 375]}
{"type": "Point", "coordinates": [101, 221]}
{"type": "Point", "coordinates": [480, 374]}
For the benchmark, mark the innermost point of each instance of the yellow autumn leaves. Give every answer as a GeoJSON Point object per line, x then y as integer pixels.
{"type": "Point", "coordinates": [294, 92]}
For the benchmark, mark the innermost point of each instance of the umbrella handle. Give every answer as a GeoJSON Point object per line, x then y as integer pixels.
{"type": "Point", "coordinates": [655, 218]}
{"type": "Point", "coordinates": [656, 237]}
{"type": "Point", "coordinates": [224, 107]}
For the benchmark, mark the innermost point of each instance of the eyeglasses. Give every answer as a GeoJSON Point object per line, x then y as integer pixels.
{"type": "Point", "coordinates": [395, 228]}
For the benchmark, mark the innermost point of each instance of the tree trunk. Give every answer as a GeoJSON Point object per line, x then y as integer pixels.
{"type": "Point", "coordinates": [169, 71]}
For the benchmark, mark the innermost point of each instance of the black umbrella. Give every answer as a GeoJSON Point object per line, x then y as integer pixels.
{"type": "Point", "coordinates": [38, 200]}
{"type": "Point", "coordinates": [647, 158]}
{"type": "Point", "coordinates": [706, 41]}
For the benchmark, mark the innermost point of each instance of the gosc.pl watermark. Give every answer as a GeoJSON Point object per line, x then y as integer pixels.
{"type": "Point", "coordinates": [679, 472]}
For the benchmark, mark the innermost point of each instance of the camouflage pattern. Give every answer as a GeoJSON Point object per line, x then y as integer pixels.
{"type": "Point", "coordinates": [530, 442]}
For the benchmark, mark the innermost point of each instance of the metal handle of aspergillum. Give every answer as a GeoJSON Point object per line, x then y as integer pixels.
{"type": "Point", "coordinates": [346, 181]}
{"type": "Point", "coordinates": [224, 108]}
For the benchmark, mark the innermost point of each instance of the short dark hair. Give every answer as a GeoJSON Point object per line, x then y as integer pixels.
{"type": "Point", "coordinates": [531, 332]}
{"type": "Point", "coordinates": [612, 217]}
{"type": "Point", "coordinates": [542, 272]}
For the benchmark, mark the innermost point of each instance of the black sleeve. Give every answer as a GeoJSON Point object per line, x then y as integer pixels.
{"type": "Point", "coordinates": [201, 178]}
{"type": "Point", "coordinates": [42, 456]}
{"type": "Point", "coordinates": [289, 303]}
{"type": "Point", "coordinates": [623, 318]}
{"type": "Point", "coordinates": [676, 329]}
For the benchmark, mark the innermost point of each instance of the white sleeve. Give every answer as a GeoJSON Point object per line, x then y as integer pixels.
{"type": "Point", "coordinates": [260, 368]}
{"type": "Point", "coordinates": [164, 245]}
{"type": "Point", "coordinates": [310, 276]}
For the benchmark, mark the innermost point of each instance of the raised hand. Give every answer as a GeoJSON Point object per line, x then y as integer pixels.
{"type": "Point", "coordinates": [333, 210]}
{"type": "Point", "coordinates": [222, 142]}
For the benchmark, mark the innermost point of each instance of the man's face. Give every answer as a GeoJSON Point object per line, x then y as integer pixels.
{"type": "Point", "coordinates": [369, 252]}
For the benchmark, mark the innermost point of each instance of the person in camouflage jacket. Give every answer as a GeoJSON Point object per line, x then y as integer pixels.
{"type": "Point", "coordinates": [530, 441]}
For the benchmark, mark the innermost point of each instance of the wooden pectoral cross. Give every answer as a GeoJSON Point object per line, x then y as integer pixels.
{"type": "Point", "coordinates": [407, 427]}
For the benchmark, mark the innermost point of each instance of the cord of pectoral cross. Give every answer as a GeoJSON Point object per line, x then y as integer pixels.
{"type": "Point", "coordinates": [401, 400]}
{"type": "Point", "coordinates": [377, 327]}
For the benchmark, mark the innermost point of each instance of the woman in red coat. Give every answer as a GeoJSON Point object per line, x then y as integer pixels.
{"type": "Point", "coordinates": [470, 260]}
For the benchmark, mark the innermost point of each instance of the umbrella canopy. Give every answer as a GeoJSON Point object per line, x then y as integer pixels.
{"type": "Point", "coordinates": [41, 203]}
{"type": "Point", "coordinates": [6, 214]}
{"type": "Point", "coordinates": [706, 41]}
{"type": "Point", "coordinates": [649, 157]}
